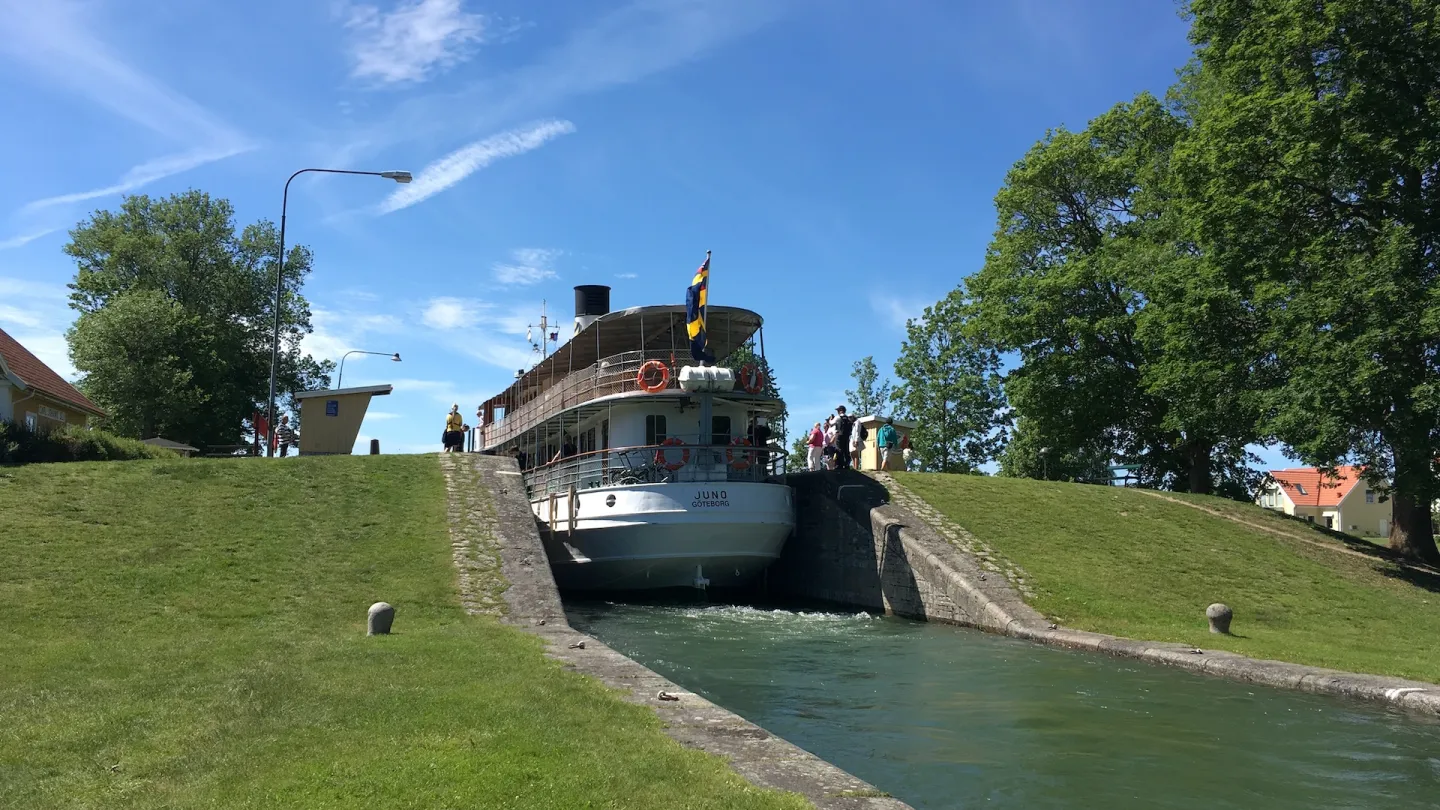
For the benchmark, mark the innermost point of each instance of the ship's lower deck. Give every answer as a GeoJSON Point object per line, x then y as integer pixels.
{"type": "Point", "coordinates": [645, 536]}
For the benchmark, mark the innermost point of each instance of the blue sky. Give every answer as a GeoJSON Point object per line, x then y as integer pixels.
{"type": "Point", "coordinates": [839, 158]}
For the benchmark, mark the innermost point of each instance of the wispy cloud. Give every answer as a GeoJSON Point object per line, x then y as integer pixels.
{"type": "Point", "coordinates": [380, 415]}
{"type": "Point", "coordinates": [55, 41]}
{"type": "Point", "coordinates": [622, 46]}
{"type": "Point", "coordinates": [443, 392]}
{"type": "Point", "coordinates": [337, 332]}
{"type": "Point", "coordinates": [626, 276]}
{"type": "Point", "coordinates": [142, 175]}
{"type": "Point", "coordinates": [416, 40]}
{"type": "Point", "coordinates": [463, 162]}
{"type": "Point", "coordinates": [24, 238]}
{"type": "Point", "coordinates": [896, 312]}
{"type": "Point", "coordinates": [36, 314]}
{"type": "Point", "coordinates": [528, 266]}
{"type": "Point", "coordinates": [451, 313]}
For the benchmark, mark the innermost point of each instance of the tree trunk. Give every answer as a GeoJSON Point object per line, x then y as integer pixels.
{"type": "Point", "coordinates": [1201, 480]}
{"type": "Point", "coordinates": [1411, 527]}
{"type": "Point", "coordinates": [1411, 530]}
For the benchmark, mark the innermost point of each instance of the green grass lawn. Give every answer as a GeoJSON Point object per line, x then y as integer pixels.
{"type": "Point", "coordinates": [1119, 561]}
{"type": "Point", "coordinates": [190, 633]}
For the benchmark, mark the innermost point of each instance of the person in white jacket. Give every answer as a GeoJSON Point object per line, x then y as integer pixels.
{"type": "Point", "coordinates": [857, 445]}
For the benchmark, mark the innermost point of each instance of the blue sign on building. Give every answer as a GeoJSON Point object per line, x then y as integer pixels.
{"type": "Point", "coordinates": [332, 407]}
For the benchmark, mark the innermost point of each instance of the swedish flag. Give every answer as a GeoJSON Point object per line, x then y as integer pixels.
{"type": "Point", "coordinates": [695, 299]}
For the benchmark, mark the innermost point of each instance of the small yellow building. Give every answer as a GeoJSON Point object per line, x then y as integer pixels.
{"type": "Point", "coordinates": [330, 419]}
{"type": "Point", "coordinates": [870, 456]}
{"type": "Point", "coordinates": [32, 394]}
{"type": "Point", "coordinates": [1343, 502]}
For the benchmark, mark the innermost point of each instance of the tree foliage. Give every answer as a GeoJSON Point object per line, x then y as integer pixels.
{"type": "Point", "coordinates": [1129, 346]}
{"type": "Point", "coordinates": [1314, 174]}
{"type": "Point", "coordinates": [950, 385]}
{"type": "Point", "coordinates": [744, 355]}
{"type": "Point", "coordinates": [870, 395]}
{"type": "Point", "coordinates": [176, 317]}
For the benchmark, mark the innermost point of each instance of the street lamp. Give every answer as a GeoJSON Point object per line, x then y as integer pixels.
{"type": "Point", "coordinates": [395, 357]}
{"type": "Point", "coordinates": [399, 177]}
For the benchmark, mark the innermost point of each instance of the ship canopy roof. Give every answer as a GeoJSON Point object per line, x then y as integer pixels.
{"type": "Point", "coordinates": [651, 329]}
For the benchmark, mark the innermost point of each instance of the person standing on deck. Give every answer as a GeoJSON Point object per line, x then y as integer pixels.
{"type": "Point", "coordinates": [843, 427]}
{"type": "Point", "coordinates": [888, 439]}
{"type": "Point", "coordinates": [759, 436]}
{"type": "Point", "coordinates": [815, 455]}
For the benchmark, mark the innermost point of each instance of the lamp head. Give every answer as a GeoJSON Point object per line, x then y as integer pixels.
{"type": "Point", "coordinates": [395, 357]}
{"type": "Point", "coordinates": [399, 177]}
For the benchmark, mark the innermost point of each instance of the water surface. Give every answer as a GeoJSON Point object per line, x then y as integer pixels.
{"type": "Point", "coordinates": [944, 717]}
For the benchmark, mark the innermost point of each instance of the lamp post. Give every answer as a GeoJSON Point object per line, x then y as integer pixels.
{"type": "Point", "coordinates": [399, 177]}
{"type": "Point", "coordinates": [394, 357]}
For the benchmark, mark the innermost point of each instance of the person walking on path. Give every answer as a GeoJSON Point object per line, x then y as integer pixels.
{"type": "Point", "coordinates": [454, 435]}
{"type": "Point", "coordinates": [286, 436]}
{"type": "Point", "coordinates": [844, 425]}
{"type": "Point", "coordinates": [815, 455]}
{"type": "Point", "coordinates": [888, 440]}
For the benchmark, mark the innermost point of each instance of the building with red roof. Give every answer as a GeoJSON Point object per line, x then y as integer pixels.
{"type": "Point", "coordinates": [32, 393]}
{"type": "Point", "coordinates": [1342, 501]}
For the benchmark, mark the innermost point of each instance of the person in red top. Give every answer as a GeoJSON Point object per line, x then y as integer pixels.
{"type": "Point", "coordinates": [816, 447]}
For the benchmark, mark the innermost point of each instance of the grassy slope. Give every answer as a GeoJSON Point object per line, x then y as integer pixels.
{"type": "Point", "coordinates": [191, 634]}
{"type": "Point", "coordinates": [1123, 562]}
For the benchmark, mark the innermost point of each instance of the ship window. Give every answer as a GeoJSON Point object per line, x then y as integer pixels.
{"type": "Point", "coordinates": [719, 430]}
{"type": "Point", "coordinates": [655, 428]}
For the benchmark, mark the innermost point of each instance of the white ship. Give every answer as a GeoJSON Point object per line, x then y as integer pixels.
{"type": "Point", "coordinates": [643, 469]}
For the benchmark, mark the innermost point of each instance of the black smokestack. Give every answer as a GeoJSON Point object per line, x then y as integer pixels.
{"type": "Point", "coordinates": [591, 301]}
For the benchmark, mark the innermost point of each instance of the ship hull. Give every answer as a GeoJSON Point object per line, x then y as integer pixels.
{"type": "Point", "coordinates": [653, 536]}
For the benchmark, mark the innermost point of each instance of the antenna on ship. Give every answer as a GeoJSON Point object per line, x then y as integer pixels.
{"type": "Point", "coordinates": [546, 335]}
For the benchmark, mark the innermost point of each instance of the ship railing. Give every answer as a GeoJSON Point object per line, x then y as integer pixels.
{"type": "Point", "coordinates": [616, 374]}
{"type": "Point", "coordinates": [667, 463]}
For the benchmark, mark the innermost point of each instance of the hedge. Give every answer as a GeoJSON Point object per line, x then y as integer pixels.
{"type": "Point", "coordinates": [21, 445]}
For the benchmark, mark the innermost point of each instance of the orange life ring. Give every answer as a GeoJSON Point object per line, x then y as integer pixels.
{"type": "Point", "coordinates": [661, 460]}
{"type": "Point", "coordinates": [647, 370]}
{"type": "Point", "coordinates": [752, 378]}
{"type": "Point", "coordinates": [743, 462]}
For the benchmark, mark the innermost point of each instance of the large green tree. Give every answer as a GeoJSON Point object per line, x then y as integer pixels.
{"type": "Point", "coordinates": [205, 367]}
{"type": "Point", "coordinates": [871, 394]}
{"type": "Point", "coordinates": [1314, 175]}
{"type": "Point", "coordinates": [950, 385]}
{"type": "Point", "coordinates": [1127, 346]}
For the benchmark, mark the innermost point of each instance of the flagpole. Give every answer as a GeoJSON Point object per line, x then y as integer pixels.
{"type": "Point", "coordinates": [709, 282]}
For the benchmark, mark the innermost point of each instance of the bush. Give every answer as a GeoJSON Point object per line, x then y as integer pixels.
{"type": "Point", "coordinates": [21, 445]}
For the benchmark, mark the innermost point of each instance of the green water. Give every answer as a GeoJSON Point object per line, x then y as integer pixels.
{"type": "Point", "coordinates": [945, 717]}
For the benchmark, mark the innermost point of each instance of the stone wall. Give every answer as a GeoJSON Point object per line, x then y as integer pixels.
{"type": "Point", "coordinates": [852, 547]}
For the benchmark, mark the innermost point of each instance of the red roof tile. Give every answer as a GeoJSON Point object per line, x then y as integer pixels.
{"type": "Point", "coordinates": [40, 377]}
{"type": "Point", "coordinates": [1316, 492]}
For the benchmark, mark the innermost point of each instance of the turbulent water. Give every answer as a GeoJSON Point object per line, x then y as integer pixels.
{"type": "Point", "coordinates": [943, 717]}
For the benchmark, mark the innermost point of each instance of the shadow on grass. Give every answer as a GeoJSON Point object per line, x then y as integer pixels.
{"type": "Point", "coordinates": [1411, 571]}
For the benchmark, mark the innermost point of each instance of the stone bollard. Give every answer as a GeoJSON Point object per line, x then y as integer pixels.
{"type": "Point", "coordinates": [1219, 616]}
{"type": "Point", "coordinates": [380, 618]}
